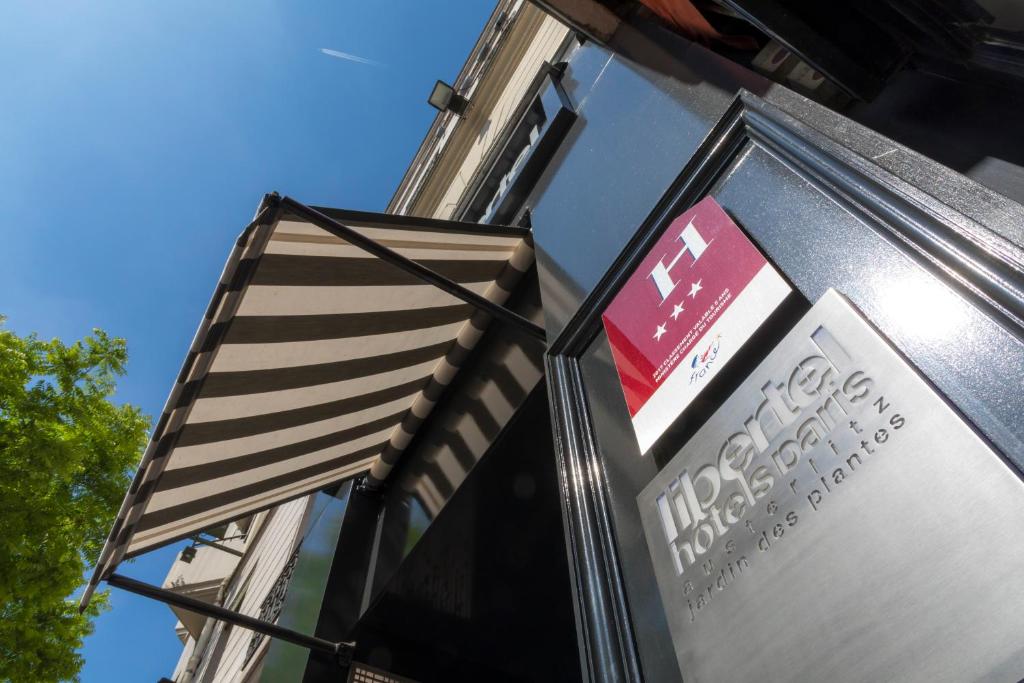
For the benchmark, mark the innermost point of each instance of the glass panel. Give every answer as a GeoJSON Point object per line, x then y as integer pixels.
{"type": "Point", "coordinates": [304, 594]}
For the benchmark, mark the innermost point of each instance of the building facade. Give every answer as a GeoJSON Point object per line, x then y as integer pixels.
{"type": "Point", "coordinates": [773, 428]}
{"type": "Point", "coordinates": [463, 170]}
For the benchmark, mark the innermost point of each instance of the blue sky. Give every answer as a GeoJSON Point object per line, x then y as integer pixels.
{"type": "Point", "coordinates": [136, 139]}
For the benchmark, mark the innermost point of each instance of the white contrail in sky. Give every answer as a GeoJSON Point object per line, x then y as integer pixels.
{"type": "Point", "coordinates": [352, 58]}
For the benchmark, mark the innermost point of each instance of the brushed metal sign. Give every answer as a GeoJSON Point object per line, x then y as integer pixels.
{"type": "Point", "coordinates": [836, 520]}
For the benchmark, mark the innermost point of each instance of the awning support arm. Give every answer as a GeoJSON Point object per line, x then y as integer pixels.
{"type": "Point", "coordinates": [342, 651]}
{"type": "Point", "coordinates": [412, 267]}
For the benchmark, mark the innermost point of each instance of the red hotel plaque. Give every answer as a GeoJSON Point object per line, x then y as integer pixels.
{"type": "Point", "coordinates": [698, 295]}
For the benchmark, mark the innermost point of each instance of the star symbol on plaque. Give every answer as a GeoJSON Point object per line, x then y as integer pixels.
{"type": "Point", "coordinates": [676, 310]}
{"type": "Point", "coordinates": [658, 332]}
{"type": "Point", "coordinates": [694, 288]}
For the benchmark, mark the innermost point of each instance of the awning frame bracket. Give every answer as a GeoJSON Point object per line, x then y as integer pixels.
{"type": "Point", "coordinates": [342, 651]}
{"type": "Point", "coordinates": [415, 269]}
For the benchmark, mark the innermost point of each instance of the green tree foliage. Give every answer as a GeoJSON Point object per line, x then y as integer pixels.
{"type": "Point", "coordinates": [65, 455]}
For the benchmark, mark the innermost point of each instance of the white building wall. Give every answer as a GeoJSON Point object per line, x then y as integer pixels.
{"type": "Point", "coordinates": [256, 574]}
{"type": "Point", "coordinates": [186, 653]}
{"type": "Point", "coordinates": [543, 48]}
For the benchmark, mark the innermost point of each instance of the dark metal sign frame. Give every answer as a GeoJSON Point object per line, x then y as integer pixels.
{"type": "Point", "coordinates": [984, 268]}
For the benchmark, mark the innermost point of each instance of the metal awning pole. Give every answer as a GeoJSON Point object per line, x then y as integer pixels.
{"type": "Point", "coordinates": [412, 267]}
{"type": "Point", "coordinates": [342, 650]}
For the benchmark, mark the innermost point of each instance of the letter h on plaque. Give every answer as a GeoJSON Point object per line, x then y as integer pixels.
{"type": "Point", "coordinates": [661, 275]}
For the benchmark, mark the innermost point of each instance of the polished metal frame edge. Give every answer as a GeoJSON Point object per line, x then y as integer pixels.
{"type": "Point", "coordinates": [608, 649]}
{"type": "Point", "coordinates": [982, 266]}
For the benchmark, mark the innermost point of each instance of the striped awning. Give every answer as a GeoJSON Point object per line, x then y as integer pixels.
{"type": "Point", "coordinates": [315, 361]}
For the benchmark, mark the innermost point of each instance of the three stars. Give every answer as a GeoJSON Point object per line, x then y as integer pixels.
{"type": "Point", "coordinates": [676, 310]}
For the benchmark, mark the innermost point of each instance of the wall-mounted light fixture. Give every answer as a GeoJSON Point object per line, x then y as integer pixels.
{"type": "Point", "coordinates": [444, 98]}
{"type": "Point", "coordinates": [188, 553]}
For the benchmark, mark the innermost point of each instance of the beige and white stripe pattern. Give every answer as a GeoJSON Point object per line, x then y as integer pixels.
{"type": "Point", "coordinates": [315, 362]}
{"type": "Point", "coordinates": [472, 420]}
{"type": "Point", "coordinates": [467, 338]}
